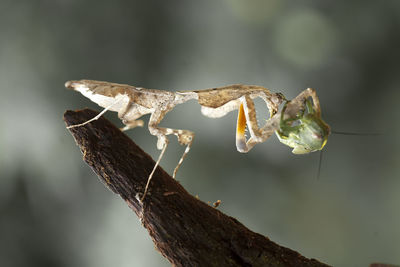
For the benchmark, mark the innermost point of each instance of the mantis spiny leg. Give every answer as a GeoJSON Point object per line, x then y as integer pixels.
{"type": "Point", "coordinates": [185, 137]}
{"type": "Point", "coordinates": [154, 168]}
{"type": "Point", "coordinates": [251, 117]}
{"type": "Point", "coordinates": [247, 116]}
{"type": "Point", "coordinates": [240, 131]}
{"type": "Point", "coordinates": [302, 97]}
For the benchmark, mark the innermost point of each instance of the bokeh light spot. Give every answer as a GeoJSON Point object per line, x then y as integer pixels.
{"type": "Point", "coordinates": [305, 38]}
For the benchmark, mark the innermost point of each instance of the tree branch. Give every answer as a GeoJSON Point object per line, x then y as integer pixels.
{"type": "Point", "coordinates": [185, 230]}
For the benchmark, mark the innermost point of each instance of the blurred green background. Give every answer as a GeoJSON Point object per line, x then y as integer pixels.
{"type": "Point", "coordinates": [55, 212]}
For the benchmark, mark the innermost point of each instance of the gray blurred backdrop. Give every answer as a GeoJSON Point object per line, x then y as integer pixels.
{"type": "Point", "coordinates": [55, 212]}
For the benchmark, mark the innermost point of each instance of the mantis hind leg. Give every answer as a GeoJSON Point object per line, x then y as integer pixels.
{"type": "Point", "coordinates": [154, 169]}
{"type": "Point", "coordinates": [185, 137]}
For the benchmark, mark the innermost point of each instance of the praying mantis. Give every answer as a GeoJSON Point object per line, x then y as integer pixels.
{"type": "Point", "coordinates": [298, 125]}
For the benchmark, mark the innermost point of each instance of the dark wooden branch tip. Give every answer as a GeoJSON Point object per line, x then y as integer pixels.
{"type": "Point", "coordinates": [185, 230]}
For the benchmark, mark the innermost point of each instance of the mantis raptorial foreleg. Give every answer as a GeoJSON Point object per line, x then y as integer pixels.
{"type": "Point", "coordinates": [247, 116]}
{"type": "Point", "coordinates": [266, 131]}
{"type": "Point", "coordinates": [298, 102]}
{"type": "Point", "coordinates": [292, 111]}
{"type": "Point", "coordinates": [251, 116]}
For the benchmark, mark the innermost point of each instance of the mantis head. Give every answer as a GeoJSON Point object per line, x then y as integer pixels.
{"type": "Point", "coordinates": [306, 132]}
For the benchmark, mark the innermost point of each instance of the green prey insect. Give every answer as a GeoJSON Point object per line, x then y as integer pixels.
{"type": "Point", "coordinates": [308, 135]}
{"type": "Point", "coordinates": [298, 125]}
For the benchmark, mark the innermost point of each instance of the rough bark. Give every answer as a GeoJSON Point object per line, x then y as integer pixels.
{"type": "Point", "coordinates": [186, 231]}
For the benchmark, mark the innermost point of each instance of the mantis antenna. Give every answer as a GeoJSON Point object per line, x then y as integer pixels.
{"type": "Point", "coordinates": [341, 133]}
{"type": "Point", "coordinates": [360, 134]}
{"type": "Point", "coordinates": [319, 164]}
